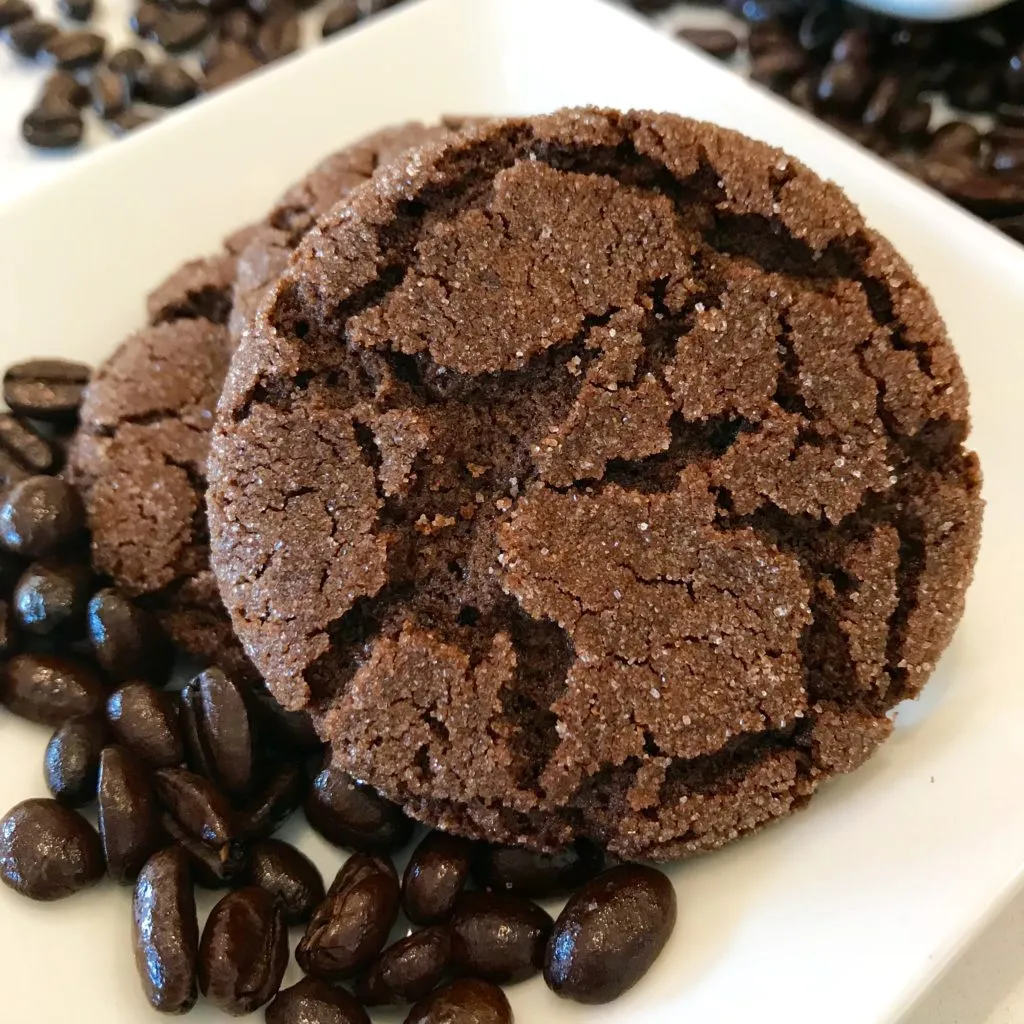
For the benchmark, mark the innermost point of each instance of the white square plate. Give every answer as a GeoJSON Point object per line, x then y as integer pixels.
{"type": "Point", "coordinates": [842, 914]}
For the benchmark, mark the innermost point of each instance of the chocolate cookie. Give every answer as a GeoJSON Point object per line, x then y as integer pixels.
{"type": "Point", "coordinates": [596, 475]}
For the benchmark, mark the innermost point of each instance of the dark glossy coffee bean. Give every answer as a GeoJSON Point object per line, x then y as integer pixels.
{"type": "Point", "coordinates": [354, 815]}
{"type": "Point", "coordinates": [127, 642]}
{"type": "Point", "coordinates": [464, 1000]}
{"type": "Point", "coordinates": [279, 797]}
{"type": "Point", "coordinates": [882, 107]}
{"type": "Point", "coordinates": [52, 127]}
{"type": "Point", "coordinates": [145, 18]}
{"type": "Point", "coordinates": [821, 26]}
{"type": "Point", "coordinates": [436, 874]}
{"type": "Point", "coordinates": [145, 720]}
{"type": "Point", "coordinates": [408, 969]}
{"type": "Point", "coordinates": [48, 851]}
{"type": "Point", "coordinates": [52, 596]}
{"type": "Point", "coordinates": [165, 932]}
{"type": "Point", "coordinates": [218, 731]}
{"type": "Point", "coordinates": [289, 875]}
{"type": "Point", "coordinates": [24, 444]}
{"type": "Point", "coordinates": [350, 927]}
{"type": "Point", "coordinates": [1013, 76]}
{"type": "Point", "coordinates": [715, 42]}
{"type": "Point", "coordinates": [110, 93]}
{"type": "Point", "coordinates": [845, 86]}
{"type": "Point", "coordinates": [46, 389]}
{"type": "Point", "coordinates": [1011, 114]}
{"type": "Point", "coordinates": [131, 121]}
{"type": "Point", "coordinates": [853, 44]}
{"type": "Point", "coordinates": [243, 952]}
{"type": "Point", "coordinates": [129, 819]}
{"type": "Point", "coordinates": [209, 870]}
{"type": "Point", "coordinates": [1006, 157]}
{"type": "Point", "coordinates": [40, 515]}
{"type": "Point", "coordinates": [77, 10]}
{"type": "Point", "coordinates": [278, 36]}
{"type": "Point", "coordinates": [11, 472]}
{"type": "Point", "coordinates": [235, 65]}
{"type": "Point", "coordinates": [180, 30]}
{"type": "Point", "coordinates": [610, 933]}
{"type": "Point", "coordinates": [62, 88]}
{"type": "Point", "coordinates": [50, 688]}
{"type": "Point", "coordinates": [12, 11]}
{"type": "Point", "coordinates": [237, 26]}
{"type": "Point", "coordinates": [27, 38]}
{"type": "Point", "coordinates": [8, 633]}
{"type": "Point", "coordinates": [127, 63]}
{"type": "Point", "coordinates": [341, 15]}
{"type": "Point", "coordinates": [72, 760]}
{"type": "Point", "coordinates": [166, 84]}
{"type": "Point", "coordinates": [312, 1001]}
{"type": "Point", "coordinates": [74, 51]}
{"type": "Point", "coordinates": [498, 937]}
{"type": "Point", "coordinates": [203, 815]}
{"type": "Point", "coordinates": [537, 876]}
{"type": "Point", "coordinates": [778, 68]}
{"type": "Point", "coordinates": [912, 123]}
{"type": "Point", "coordinates": [955, 139]}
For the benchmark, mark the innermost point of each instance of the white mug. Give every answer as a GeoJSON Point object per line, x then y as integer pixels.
{"type": "Point", "coordinates": [932, 10]}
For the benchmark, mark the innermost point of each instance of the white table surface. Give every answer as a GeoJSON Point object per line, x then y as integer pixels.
{"type": "Point", "coordinates": [986, 985]}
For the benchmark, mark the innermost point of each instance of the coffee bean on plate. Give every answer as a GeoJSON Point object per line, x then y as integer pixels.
{"type": "Point", "coordinates": [716, 42]}
{"type": "Point", "coordinates": [955, 138]}
{"type": "Point", "coordinates": [407, 970]}
{"type": "Point", "coordinates": [165, 932]}
{"type": "Point", "coordinates": [180, 30]}
{"type": "Point", "coordinates": [354, 815]}
{"type": "Point", "coordinates": [48, 851]}
{"type": "Point", "coordinates": [436, 874]}
{"type": "Point", "coordinates": [498, 937]}
{"type": "Point", "coordinates": [73, 51]}
{"type": "Point", "coordinates": [131, 120]}
{"type": "Point", "coordinates": [166, 84]}
{"type": "Point", "coordinates": [128, 814]}
{"type": "Point", "coordinates": [778, 68]}
{"type": "Point", "coordinates": [49, 688]}
{"type": "Point", "coordinates": [145, 720]}
{"type": "Point", "coordinates": [46, 389]}
{"type": "Point", "coordinates": [127, 62]}
{"type": "Point", "coordinates": [77, 10]}
{"type": "Point", "coordinates": [27, 38]}
{"type": "Point", "coordinates": [72, 760]}
{"type": "Point", "coordinates": [537, 876]}
{"type": "Point", "coordinates": [127, 641]}
{"type": "Point", "coordinates": [351, 925]}
{"type": "Point", "coordinates": [53, 127]}
{"type": "Point", "coordinates": [278, 36]}
{"type": "Point", "coordinates": [145, 18]}
{"type": "Point", "coordinates": [313, 1001]}
{"type": "Point", "coordinates": [52, 596]}
{"type": "Point", "coordinates": [237, 26]}
{"type": "Point", "coordinates": [235, 63]}
{"type": "Point", "coordinates": [287, 873]}
{"type": "Point", "coordinates": [341, 15]}
{"type": "Point", "coordinates": [610, 933]}
{"type": "Point", "coordinates": [20, 440]}
{"type": "Point", "coordinates": [40, 515]}
{"type": "Point", "coordinates": [12, 11]}
{"type": "Point", "coordinates": [110, 93]}
{"type": "Point", "coordinates": [278, 797]}
{"type": "Point", "coordinates": [243, 952]}
{"type": "Point", "coordinates": [466, 999]}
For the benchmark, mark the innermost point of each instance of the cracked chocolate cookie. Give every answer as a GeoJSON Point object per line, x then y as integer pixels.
{"type": "Point", "coordinates": [597, 475]}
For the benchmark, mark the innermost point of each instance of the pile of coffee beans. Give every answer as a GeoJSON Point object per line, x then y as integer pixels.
{"type": "Point", "coordinates": [190, 784]}
{"type": "Point", "coordinates": [944, 102]}
{"type": "Point", "coordinates": [203, 45]}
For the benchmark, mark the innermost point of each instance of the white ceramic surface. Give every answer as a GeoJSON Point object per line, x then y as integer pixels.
{"type": "Point", "coordinates": [841, 914]}
{"type": "Point", "coordinates": [932, 10]}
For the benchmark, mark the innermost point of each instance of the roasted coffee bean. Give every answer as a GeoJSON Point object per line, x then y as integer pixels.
{"type": "Point", "coordinates": [73, 51]}
{"type": "Point", "coordinates": [1013, 76]}
{"type": "Point", "coordinates": [956, 139]}
{"type": "Point", "coordinates": [145, 720]}
{"type": "Point", "coordinates": [778, 68]}
{"type": "Point", "coordinates": [820, 27]}
{"type": "Point", "coordinates": [10, 571]}
{"type": "Point", "coordinates": [127, 642]}
{"type": "Point", "coordinates": [279, 797]}
{"type": "Point", "coordinates": [235, 65]}
{"type": "Point", "coordinates": [436, 874]}
{"type": "Point", "coordinates": [11, 472]}
{"type": "Point", "coordinates": [537, 876]}
{"type": "Point", "coordinates": [40, 515]}
{"type": "Point", "coordinates": [50, 688]}
{"type": "Point", "coordinates": [13, 11]}
{"type": "Point", "coordinates": [237, 26]}
{"type": "Point", "coordinates": [128, 815]}
{"type": "Point", "coordinates": [883, 106]}
{"type": "Point", "coordinates": [312, 1001]}
{"type": "Point", "coordinates": [52, 596]}
{"type": "Point", "coordinates": [278, 36]}
{"type": "Point", "coordinates": [209, 870]}
{"type": "Point", "coordinates": [48, 851]}
{"type": "Point", "coordinates": [53, 127]}
{"type": "Point", "coordinates": [350, 927]}
{"type": "Point", "coordinates": [27, 38]}
{"type": "Point", "coordinates": [145, 18]}
{"type": "Point", "coordinates": [498, 937]}
{"type": "Point", "coordinates": [127, 63]}
{"type": "Point", "coordinates": [853, 44]}
{"type": "Point", "coordinates": [180, 30]}
{"type": "Point", "coordinates": [610, 933]}
{"type": "Point", "coordinates": [110, 93]}
{"type": "Point", "coordinates": [25, 444]}
{"type": "Point", "coordinates": [166, 84]}
{"type": "Point", "coordinates": [243, 952]}
{"type": "Point", "coordinates": [973, 89]}
{"type": "Point", "coordinates": [46, 389]}
{"type": "Point", "coordinates": [354, 815]}
{"type": "Point", "coordinates": [466, 1000]}
{"type": "Point", "coordinates": [407, 970]}
{"type": "Point", "coordinates": [8, 632]}
{"type": "Point", "coordinates": [165, 932]}
{"type": "Point", "coordinates": [72, 760]}
{"type": "Point", "coordinates": [203, 815]}
{"type": "Point", "coordinates": [289, 875]}
{"type": "Point", "coordinates": [63, 89]}
{"type": "Point", "coordinates": [764, 37]}
{"type": "Point", "coordinates": [218, 731]}
{"type": "Point", "coordinates": [1011, 114]}
{"type": "Point", "coordinates": [716, 42]}
{"type": "Point", "coordinates": [845, 86]}
{"type": "Point", "coordinates": [131, 120]}
{"type": "Point", "coordinates": [77, 10]}
{"type": "Point", "coordinates": [912, 122]}
{"type": "Point", "coordinates": [1006, 157]}
{"type": "Point", "coordinates": [340, 16]}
